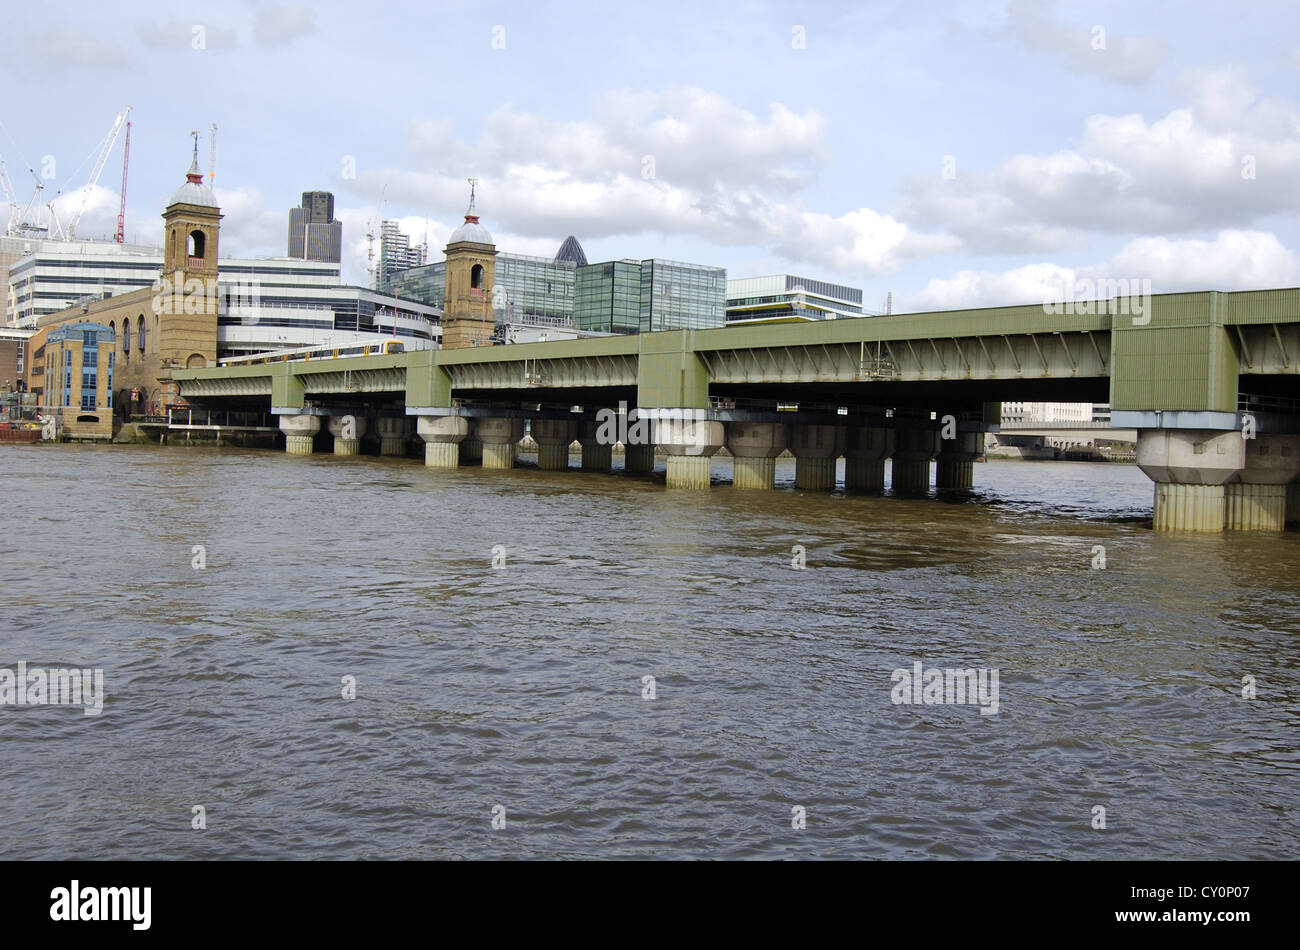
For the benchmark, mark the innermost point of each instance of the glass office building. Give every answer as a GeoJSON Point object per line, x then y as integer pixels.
{"type": "Point", "coordinates": [532, 290]}
{"type": "Point", "coordinates": [650, 295]}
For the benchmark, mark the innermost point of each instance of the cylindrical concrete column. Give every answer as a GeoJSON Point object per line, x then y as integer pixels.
{"type": "Point", "coordinates": [916, 443]}
{"type": "Point", "coordinates": [1249, 507]}
{"type": "Point", "coordinates": [443, 436]}
{"type": "Point", "coordinates": [392, 435]}
{"type": "Point", "coordinates": [1256, 497]}
{"type": "Point", "coordinates": [865, 451]}
{"type": "Point", "coordinates": [347, 430]}
{"type": "Point", "coordinates": [639, 458]}
{"type": "Point", "coordinates": [954, 469]}
{"type": "Point", "coordinates": [815, 448]}
{"type": "Point", "coordinates": [1189, 468]}
{"type": "Point", "coordinates": [597, 441]}
{"type": "Point", "coordinates": [499, 437]}
{"type": "Point", "coordinates": [689, 441]}
{"type": "Point", "coordinates": [553, 438]}
{"type": "Point", "coordinates": [754, 447]}
{"type": "Point", "coordinates": [299, 433]}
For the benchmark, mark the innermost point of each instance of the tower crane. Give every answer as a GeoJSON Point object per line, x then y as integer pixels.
{"type": "Point", "coordinates": [105, 147]}
{"type": "Point", "coordinates": [212, 156]}
{"type": "Point", "coordinates": [120, 236]}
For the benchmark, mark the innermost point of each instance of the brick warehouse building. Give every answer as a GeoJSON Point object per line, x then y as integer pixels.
{"type": "Point", "coordinates": [152, 330]}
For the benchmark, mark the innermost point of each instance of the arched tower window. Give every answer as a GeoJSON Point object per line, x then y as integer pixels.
{"type": "Point", "coordinates": [196, 244]}
{"type": "Point", "coordinates": [476, 277]}
{"type": "Point", "coordinates": [140, 333]}
{"type": "Point", "coordinates": [126, 340]}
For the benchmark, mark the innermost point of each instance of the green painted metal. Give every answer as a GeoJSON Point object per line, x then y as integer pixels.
{"type": "Point", "coordinates": [1170, 351]}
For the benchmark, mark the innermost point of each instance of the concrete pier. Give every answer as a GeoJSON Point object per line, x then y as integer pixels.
{"type": "Point", "coordinates": [299, 433]}
{"type": "Point", "coordinates": [754, 447]}
{"type": "Point", "coordinates": [554, 438]}
{"type": "Point", "coordinates": [500, 437]}
{"type": "Point", "coordinates": [1190, 468]}
{"type": "Point", "coordinates": [816, 449]}
{"type": "Point", "coordinates": [392, 435]}
{"type": "Point", "coordinates": [639, 458]}
{"type": "Point", "coordinates": [1255, 499]}
{"type": "Point", "coordinates": [597, 451]}
{"type": "Point", "coordinates": [865, 451]}
{"type": "Point", "coordinates": [954, 469]}
{"type": "Point", "coordinates": [347, 430]}
{"type": "Point", "coordinates": [916, 445]}
{"type": "Point", "coordinates": [442, 437]}
{"type": "Point", "coordinates": [689, 444]}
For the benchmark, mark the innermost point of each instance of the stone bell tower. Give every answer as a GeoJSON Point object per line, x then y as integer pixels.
{"type": "Point", "coordinates": [185, 310]}
{"type": "Point", "coordinates": [467, 317]}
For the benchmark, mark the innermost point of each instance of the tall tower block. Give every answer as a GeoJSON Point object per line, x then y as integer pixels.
{"type": "Point", "coordinates": [467, 318]}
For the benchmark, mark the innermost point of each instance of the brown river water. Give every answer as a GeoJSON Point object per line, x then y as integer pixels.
{"type": "Point", "coordinates": [520, 690]}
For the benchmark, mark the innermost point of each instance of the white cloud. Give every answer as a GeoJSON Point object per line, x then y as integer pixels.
{"type": "Point", "coordinates": [1084, 47]}
{"type": "Point", "coordinates": [1232, 260]}
{"type": "Point", "coordinates": [281, 24]}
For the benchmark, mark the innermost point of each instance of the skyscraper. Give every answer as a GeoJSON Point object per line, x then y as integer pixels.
{"type": "Point", "coordinates": [314, 234]}
{"type": "Point", "coordinates": [396, 253]}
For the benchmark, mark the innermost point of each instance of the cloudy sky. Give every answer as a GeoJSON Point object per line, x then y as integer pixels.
{"type": "Point", "coordinates": [957, 154]}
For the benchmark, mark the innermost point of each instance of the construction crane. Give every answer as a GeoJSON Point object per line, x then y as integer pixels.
{"type": "Point", "coordinates": [120, 236]}
{"type": "Point", "coordinates": [212, 156]}
{"type": "Point", "coordinates": [371, 268]}
{"type": "Point", "coordinates": [105, 147]}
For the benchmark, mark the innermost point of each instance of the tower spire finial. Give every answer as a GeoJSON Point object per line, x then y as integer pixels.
{"type": "Point", "coordinates": [470, 216]}
{"type": "Point", "coordinates": [194, 174]}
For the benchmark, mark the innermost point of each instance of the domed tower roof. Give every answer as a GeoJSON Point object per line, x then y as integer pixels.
{"type": "Point", "coordinates": [194, 191]}
{"type": "Point", "coordinates": [471, 230]}
{"type": "Point", "coordinates": [572, 252]}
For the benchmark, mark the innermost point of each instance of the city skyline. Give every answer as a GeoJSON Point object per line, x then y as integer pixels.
{"type": "Point", "coordinates": [1165, 159]}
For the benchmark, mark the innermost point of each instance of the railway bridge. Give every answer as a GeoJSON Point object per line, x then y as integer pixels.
{"type": "Point", "coordinates": [1208, 380]}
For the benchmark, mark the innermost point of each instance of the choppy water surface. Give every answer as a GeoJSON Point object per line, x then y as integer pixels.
{"type": "Point", "coordinates": [522, 686]}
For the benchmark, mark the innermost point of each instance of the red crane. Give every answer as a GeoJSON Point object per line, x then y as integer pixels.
{"type": "Point", "coordinates": [120, 237]}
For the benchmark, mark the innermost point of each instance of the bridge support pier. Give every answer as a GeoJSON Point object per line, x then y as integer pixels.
{"type": "Point", "coordinates": [639, 458]}
{"type": "Point", "coordinates": [442, 437]}
{"type": "Point", "coordinates": [553, 437]}
{"type": "Point", "coordinates": [1256, 498]}
{"type": "Point", "coordinates": [915, 446]}
{"type": "Point", "coordinates": [754, 447]}
{"type": "Point", "coordinates": [597, 455]}
{"type": "Point", "coordinates": [299, 432]}
{"type": "Point", "coordinates": [1190, 468]}
{"type": "Point", "coordinates": [689, 443]}
{"type": "Point", "coordinates": [347, 430]}
{"type": "Point", "coordinates": [954, 469]}
{"type": "Point", "coordinates": [815, 448]}
{"type": "Point", "coordinates": [392, 435]}
{"type": "Point", "coordinates": [500, 438]}
{"type": "Point", "coordinates": [471, 448]}
{"type": "Point", "coordinates": [865, 451]}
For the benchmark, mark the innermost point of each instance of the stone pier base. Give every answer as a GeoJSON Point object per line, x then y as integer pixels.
{"type": "Point", "coordinates": [910, 476]}
{"type": "Point", "coordinates": [442, 454]}
{"type": "Point", "coordinates": [864, 474]}
{"type": "Point", "coordinates": [1188, 507]}
{"type": "Point", "coordinates": [688, 471]}
{"type": "Point", "coordinates": [596, 457]}
{"type": "Point", "coordinates": [639, 458]}
{"type": "Point", "coordinates": [298, 444]}
{"type": "Point", "coordinates": [1254, 507]}
{"type": "Point", "coordinates": [954, 475]}
{"type": "Point", "coordinates": [499, 454]}
{"type": "Point", "coordinates": [553, 458]}
{"type": "Point", "coordinates": [392, 445]}
{"type": "Point", "coordinates": [814, 474]}
{"type": "Point", "coordinates": [344, 446]}
{"type": "Point", "coordinates": [752, 473]}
